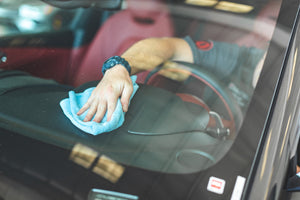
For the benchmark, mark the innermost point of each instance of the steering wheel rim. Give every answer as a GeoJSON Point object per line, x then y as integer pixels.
{"type": "Point", "coordinates": [213, 83]}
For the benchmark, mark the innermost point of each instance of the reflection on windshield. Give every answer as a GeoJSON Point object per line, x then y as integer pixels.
{"type": "Point", "coordinates": [196, 73]}
{"type": "Point", "coordinates": [186, 115]}
{"type": "Point", "coordinates": [30, 16]}
{"type": "Point", "coordinates": [215, 90]}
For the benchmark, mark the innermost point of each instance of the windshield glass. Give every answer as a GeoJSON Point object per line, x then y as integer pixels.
{"type": "Point", "coordinates": [188, 110]}
{"type": "Point", "coordinates": [27, 16]}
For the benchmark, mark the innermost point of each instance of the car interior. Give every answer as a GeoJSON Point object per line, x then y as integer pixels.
{"type": "Point", "coordinates": [71, 55]}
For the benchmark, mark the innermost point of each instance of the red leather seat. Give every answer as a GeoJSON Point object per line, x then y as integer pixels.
{"type": "Point", "coordinates": [122, 30]}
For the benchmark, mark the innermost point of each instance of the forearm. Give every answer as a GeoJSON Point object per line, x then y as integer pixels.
{"type": "Point", "coordinates": [149, 53]}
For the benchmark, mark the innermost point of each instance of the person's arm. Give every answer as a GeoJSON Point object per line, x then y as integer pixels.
{"type": "Point", "coordinates": [143, 55]}
{"type": "Point", "coordinates": [150, 53]}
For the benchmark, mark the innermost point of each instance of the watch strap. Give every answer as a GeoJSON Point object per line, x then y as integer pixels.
{"type": "Point", "coordinates": [113, 61]}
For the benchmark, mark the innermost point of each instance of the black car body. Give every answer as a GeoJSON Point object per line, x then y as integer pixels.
{"type": "Point", "coordinates": [43, 156]}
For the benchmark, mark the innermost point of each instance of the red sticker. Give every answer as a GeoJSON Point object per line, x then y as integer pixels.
{"type": "Point", "coordinates": [204, 45]}
{"type": "Point", "coordinates": [216, 185]}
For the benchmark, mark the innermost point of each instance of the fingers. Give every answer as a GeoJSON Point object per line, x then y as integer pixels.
{"type": "Point", "coordinates": [96, 110]}
{"type": "Point", "coordinates": [83, 109]}
{"type": "Point", "coordinates": [112, 102]}
{"type": "Point", "coordinates": [98, 104]}
{"type": "Point", "coordinates": [105, 96]}
{"type": "Point", "coordinates": [101, 109]}
{"type": "Point", "coordinates": [125, 98]}
{"type": "Point", "coordinates": [91, 112]}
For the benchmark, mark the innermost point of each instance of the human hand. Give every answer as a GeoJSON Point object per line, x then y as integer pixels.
{"type": "Point", "coordinates": [115, 83]}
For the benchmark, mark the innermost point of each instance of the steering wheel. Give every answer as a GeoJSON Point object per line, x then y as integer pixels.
{"type": "Point", "coordinates": [210, 80]}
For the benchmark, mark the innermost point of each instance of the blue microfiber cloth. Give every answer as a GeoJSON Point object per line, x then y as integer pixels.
{"type": "Point", "coordinates": [71, 106]}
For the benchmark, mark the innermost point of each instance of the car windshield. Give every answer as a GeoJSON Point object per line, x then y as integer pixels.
{"type": "Point", "coordinates": [27, 16]}
{"type": "Point", "coordinates": [185, 116]}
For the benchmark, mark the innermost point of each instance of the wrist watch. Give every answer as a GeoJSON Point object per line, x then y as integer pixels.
{"type": "Point", "coordinates": [113, 61]}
